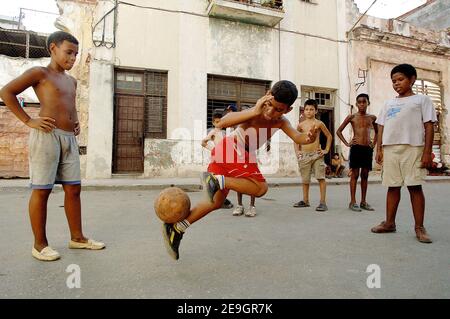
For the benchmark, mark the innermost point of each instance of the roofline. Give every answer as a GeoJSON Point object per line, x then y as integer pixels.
{"type": "Point", "coordinates": [415, 9]}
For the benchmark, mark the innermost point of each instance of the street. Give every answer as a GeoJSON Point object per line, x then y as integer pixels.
{"type": "Point", "coordinates": [283, 252]}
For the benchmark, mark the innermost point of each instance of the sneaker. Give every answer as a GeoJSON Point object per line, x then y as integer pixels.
{"type": "Point", "coordinates": [46, 254]}
{"type": "Point", "coordinates": [422, 235]}
{"type": "Point", "coordinates": [227, 204]}
{"type": "Point", "coordinates": [172, 238]}
{"type": "Point", "coordinates": [322, 207]}
{"type": "Point", "coordinates": [251, 212]}
{"type": "Point", "coordinates": [354, 207]}
{"type": "Point", "coordinates": [210, 185]}
{"type": "Point", "coordinates": [238, 211]}
{"type": "Point", "coordinates": [301, 204]}
{"type": "Point", "coordinates": [90, 244]}
{"type": "Point", "coordinates": [366, 206]}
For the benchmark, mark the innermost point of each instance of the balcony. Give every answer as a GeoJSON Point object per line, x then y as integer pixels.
{"type": "Point", "coordinates": [261, 12]}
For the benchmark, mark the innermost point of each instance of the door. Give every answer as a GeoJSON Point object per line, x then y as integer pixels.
{"type": "Point", "coordinates": [128, 134]}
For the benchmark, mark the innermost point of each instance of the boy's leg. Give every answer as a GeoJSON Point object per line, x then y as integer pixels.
{"type": "Point", "coordinates": [392, 201]}
{"type": "Point", "coordinates": [72, 207]}
{"type": "Point", "coordinates": [353, 182]}
{"type": "Point", "coordinates": [306, 193]}
{"type": "Point", "coordinates": [172, 235]}
{"type": "Point", "coordinates": [323, 193]}
{"type": "Point", "coordinates": [252, 201]}
{"type": "Point", "coordinates": [418, 206]}
{"type": "Point", "coordinates": [38, 216]}
{"type": "Point", "coordinates": [364, 183]}
{"type": "Point", "coordinates": [239, 210]}
{"type": "Point", "coordinates": [323, 190]}
{"type": "Point", "coordinates": [246, 186]}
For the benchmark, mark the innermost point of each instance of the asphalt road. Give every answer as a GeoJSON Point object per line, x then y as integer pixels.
{"type": "Point", "coordinates": [283, 252]}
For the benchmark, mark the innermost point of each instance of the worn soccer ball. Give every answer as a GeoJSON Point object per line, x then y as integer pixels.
{"type": "Point", "coordinates": [172, 205]}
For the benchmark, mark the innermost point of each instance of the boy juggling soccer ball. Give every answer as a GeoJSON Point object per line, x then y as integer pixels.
{"type": "Point", "coordinates": [233, 161]}
{"type": "Point", "coordinates": [405, 138]}
{"type": "Point", "coordinates": [54, 156]}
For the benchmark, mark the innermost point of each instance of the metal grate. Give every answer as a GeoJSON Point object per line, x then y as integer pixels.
{"type": "Point", "coordinates": [223, 91]}
{"type": "Point", "coordinates": [25, 44]}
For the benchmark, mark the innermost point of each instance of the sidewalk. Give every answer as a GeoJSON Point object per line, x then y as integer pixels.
{"type": "Point", "coordinates": [190, 183]}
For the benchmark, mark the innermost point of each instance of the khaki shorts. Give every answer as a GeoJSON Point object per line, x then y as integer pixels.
{"type": "Point", "coordinates": [311, 163]}
{"type": "Point", "coordinates": [54, 158]}
{"type": "Point", "coordinates": [401, 166]}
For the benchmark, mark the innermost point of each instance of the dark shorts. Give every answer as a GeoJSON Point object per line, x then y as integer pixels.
{"type": "Point", "coordinates": [361, 156]}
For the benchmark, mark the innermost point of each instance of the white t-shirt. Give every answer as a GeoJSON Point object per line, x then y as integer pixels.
{"type": "Point", "coordinates": [403, 119]}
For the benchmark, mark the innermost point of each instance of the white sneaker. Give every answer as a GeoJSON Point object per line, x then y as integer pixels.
{"type": "Point", "coordinates": [251, 212]}
{"type": "Point", "coordinates": [46, 254]}
{"type": "Point", "coordinates": [238, 211]}
{"type": "Point", "coordinates": [90, 244]}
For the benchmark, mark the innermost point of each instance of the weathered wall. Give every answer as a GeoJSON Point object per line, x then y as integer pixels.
{"type": "Point", "coordinates": [14, 143]}
{"type": "Point", "coordinates": [191, 46]}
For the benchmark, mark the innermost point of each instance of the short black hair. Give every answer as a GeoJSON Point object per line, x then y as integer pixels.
{"type": "Point", "coordinates": [335, 154]}
{"type": "Point", "coordinates": [407, 69]}
{"type": "Point", "coordinates": [311, 102]}
{"type": "Point", "coordinates": [216, 115]}
{"type": "Point", "coordinates": [284, 92]}
{"type": "Point", "coordinates": [59, 37]}
{"type": "Point", "coordinates": [363, 95]}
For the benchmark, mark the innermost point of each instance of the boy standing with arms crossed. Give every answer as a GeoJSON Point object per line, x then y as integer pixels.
{"type": "Point", "coordinates": [361, 149]}
{"type": "Point", "coordinates": [54, 156]}
{"type": "Point", "coordinates": [405, 139]}
{"type": "Point", "coordinates": [310, 157]}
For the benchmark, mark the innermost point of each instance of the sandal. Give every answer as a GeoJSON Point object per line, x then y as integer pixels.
{"type": "Point", "coordinates": [354, 207]}
{"type": "Point", "coordinates": [382, 228]}
{"type": "Point", "coordinates": [301, 204]}
{"type": "Point", "coordinates": [366, 206]}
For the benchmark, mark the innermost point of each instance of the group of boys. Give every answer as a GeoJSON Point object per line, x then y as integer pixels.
{"type": "Point", "coordinates": [403, 139]}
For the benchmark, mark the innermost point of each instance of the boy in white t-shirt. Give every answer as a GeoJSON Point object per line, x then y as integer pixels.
{"type": "Point", "coordinates": [405, 139]}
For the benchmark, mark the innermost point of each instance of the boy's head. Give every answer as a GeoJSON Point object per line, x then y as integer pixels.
{"type": "Point", "coordinates": [310, 108]}
{"type": "Point", "coordinates": [336, 155]}
{"type": "Point", "coordinates": [63, 49]}
{"type": "Point", "coordinates": [403, 77]}
{"type": "Point", "coordinates": [362, 101]}
{"type": "Point", "coordinates": [284, 95]}
{"type": "Point", "coordinates": [216, 118]}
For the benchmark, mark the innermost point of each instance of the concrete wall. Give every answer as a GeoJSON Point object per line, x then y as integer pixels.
{"type": "Point", "coordinates": [191, 46]}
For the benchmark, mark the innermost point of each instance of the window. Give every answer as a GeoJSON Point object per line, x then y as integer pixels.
{"type": "Point", "coordinates": [223, 91]}
{"type": "Point", "coordinates": [434, 92]}
{"type": "Point", "coordinates": [152, 86]}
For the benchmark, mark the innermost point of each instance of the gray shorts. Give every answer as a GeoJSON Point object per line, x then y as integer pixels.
{"type": "Point", "coordinates": [54, 158]}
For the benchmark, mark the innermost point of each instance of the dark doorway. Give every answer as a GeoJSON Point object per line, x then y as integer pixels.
{"type": "Point", "coordinates": [327, 117]}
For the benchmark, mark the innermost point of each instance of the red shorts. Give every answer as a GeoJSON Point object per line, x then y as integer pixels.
{"type": "Point", "coordinates": [229, 158]}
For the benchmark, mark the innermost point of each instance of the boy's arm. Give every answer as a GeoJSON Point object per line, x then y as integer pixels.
{"type": "Point", "coordinates": [375, 136]}
{"type": "Point", "coordinates": [207, 139]}
{"type": "Point", "coordinates": [379, 155]}
{"type": "Point", "coordinates": [76, 129]}
{"type": "Point", "coordinates": [235, 118]}
{"type": "Point", "coordinates": [341, 128]}
{"type": "Point", "coordinates": [329, 137]}
{"type": "Point", "coordinates": [429, 136]}
{"type": "Point", "coordinates": [297, 147]}
{"type": "Point", "coordinates": [296, 136]}
{"type": "Point", "coordinates": [9, 96]}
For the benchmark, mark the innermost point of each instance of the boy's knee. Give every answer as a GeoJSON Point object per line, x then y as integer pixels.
{"type": "Point", "coordinates": [73, 191]}
{"type": "Point", "coordinates": [262, 189]}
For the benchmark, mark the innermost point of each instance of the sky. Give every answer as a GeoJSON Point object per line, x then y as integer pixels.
{"type": "Point", "coordinates": [39, 22]}
{"type": "Point", "coordinates": [387, 9]}
{"type": "Point", "coordinates": [44, 22]}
